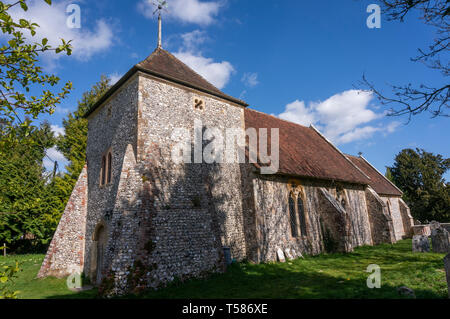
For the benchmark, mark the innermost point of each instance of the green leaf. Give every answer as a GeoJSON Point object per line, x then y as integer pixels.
{"type": "Point", "coordinates": [24, 6]}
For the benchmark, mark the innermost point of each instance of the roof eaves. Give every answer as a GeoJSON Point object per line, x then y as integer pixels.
{"type": "Point", "coordinates": [111, 91]}
{"type": "Point", "coordinates": [137, 68]}
{"type": "Point", "coordinates": [187, 84]}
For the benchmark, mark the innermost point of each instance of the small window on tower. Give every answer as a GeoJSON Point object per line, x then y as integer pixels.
{"type": "Point", "coordinates": [108, 175]}
{"type": "Point", "coordinates": [106, 168]}
{"type": "Point", "coordinates": [199, 104]}
{"type": "Point", "coordinates": [103, 171]}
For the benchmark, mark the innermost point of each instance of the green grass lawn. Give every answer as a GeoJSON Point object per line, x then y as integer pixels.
{"type": "Point", "coordinates": [325, 276]}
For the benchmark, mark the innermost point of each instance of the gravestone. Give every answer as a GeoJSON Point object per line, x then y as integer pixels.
{"type": "Point", "coordinates": [434, 225]}
{"type": "Point", "coordinates": [422, 230]}
{"type": "Point", "coordinates": [280, 255]}
{"type": "Point", "coordinates": [440, 240]}
{"type": "Point", "coordinates": [447, 271]}
{"type": "Point", "coordinates": [420, 244]}
{"type": "Point", "coordinates": [405, 291]}
{"type": "Point", "coordinates": [287, 253]}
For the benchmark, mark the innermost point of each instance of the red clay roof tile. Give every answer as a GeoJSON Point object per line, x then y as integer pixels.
{"type": "Point", "coordinates": [306, 153]}
{"type": "Point", "coordinates": [378, 182]}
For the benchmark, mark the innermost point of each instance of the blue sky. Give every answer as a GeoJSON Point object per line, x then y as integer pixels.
{"type": "Point", "coordinates": [300, 60]}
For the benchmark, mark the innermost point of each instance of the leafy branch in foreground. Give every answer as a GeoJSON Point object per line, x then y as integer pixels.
{"type": "Point", "coordinates": [20, 74]}
{"type": "Point", "coordinates": [7, 276]}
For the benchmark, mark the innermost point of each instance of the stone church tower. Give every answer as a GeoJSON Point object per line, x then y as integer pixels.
{"type": "Point", "coordinates": [138, 208]}
{"type": "Point", "coordinates": [138, 219]}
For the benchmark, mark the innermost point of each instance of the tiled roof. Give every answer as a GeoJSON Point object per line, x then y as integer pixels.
{"type": "Point", "coordinates": [378, 182]}
{"type": "Point", "coordinates": [164, 65]}
{"type": "Point", "coordinates": [304, 152]}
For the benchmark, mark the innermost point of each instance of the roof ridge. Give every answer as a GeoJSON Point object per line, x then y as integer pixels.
{"type": "Point", "coordinates": [276, 117]}
{"type": "Point", "coordinates": [365, 160]}
{"type": "Point", "coordinates": [176, 59]}
{"type": "Point", "coordinates": [149, 57]}
{"type": "Point", "coordinates": [182, 70]}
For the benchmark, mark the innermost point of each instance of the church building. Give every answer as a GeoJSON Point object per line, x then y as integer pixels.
{"type": "Point", "coordinates": [137, 219]}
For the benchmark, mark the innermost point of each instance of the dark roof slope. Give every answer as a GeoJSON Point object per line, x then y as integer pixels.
{"type": "Point", "coordinates": [164, 65]}
{"type": "Point", "coordinates": [378, 181]}
{"type": "Point", "coordinates": [305, 152]}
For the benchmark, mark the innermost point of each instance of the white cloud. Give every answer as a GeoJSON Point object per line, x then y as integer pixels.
{"type": "Point", "coordinates": [190, 11]}
{"type": "Point", "coordinates": [218, 73]}
{"type": "Point", "coordinates": [58, 130]}
{"type": "Point", "coordinates": [343, 118]}
{"type": "Point", "coordinates": [298, 112]}
{"type": "Point", "coordinates": [52, 155]}
{"type": "Point", "coordinates": [392, 126]}
{"type": "Point", "coordinates": [192, 40]}
{"type": "Point", "coordinates": [52, 25]}
{"type": "Point", "coordinates": [114, 77]}
{"type": "Point", "coordinates": [62, 110]}
{"type": "Point", "coordinates": [250, 79]}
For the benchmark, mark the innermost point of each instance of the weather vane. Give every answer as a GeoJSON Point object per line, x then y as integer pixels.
{"type": "Point", "coordinates": [160, 6]}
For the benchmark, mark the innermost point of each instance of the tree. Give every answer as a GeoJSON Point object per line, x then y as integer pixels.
{"type": "Point", "coordinates": [31, 199]}
{"type": "Point", "coordinates": [20, 74]}
{"type": "Point", "coordinates": [24, 205]}
{"type": "Point", "coordinates": [388, 174]}
{"type": "Point", "coordinates": [412, 100]}
{"type": "Point", "coordinates": [420, 175]}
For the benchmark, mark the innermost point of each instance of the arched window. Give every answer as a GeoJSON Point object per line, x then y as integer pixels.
{"type": "Point", "coordinates": [293, 217]}
{"type": "Point", "coordinates": [106, 169]}
{"type": "Point", "coordinates": [301, 215]}
{"type": "Point", "coordinates": [108, 179]}
{"type": "Point", "coordinates": [103, 171]}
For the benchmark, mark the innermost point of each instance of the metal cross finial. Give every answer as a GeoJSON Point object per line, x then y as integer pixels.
{"type": "Point", "coordinates": [160, 6]}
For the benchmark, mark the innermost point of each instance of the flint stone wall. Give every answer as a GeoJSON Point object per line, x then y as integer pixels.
{"type": "Point", "coordinates": [323, 212]}
{"type": "Point", "coordinates": [381, 223]}
{"type": "Point", "coordinates": [113, 126]}
{"type": "Point", "coordinates": [164, 107]}
{"type": "Point", "coordinates": [169, 220]}
{"type": "Point", "coordinates": [65, 254]}
{"type": "Point", "coordinates": [393, 205]}
{"type": "Point", "coordinates": [407, 219]}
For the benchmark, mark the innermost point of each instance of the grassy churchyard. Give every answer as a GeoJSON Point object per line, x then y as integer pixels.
{"type": "Point", "coordinates": [325, 276]}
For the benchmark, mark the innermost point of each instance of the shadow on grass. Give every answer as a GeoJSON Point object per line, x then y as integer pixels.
{"type": "Point", "coordinates": [245, 281]}
{"type": "Point", "coordinates": [333, 276]}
